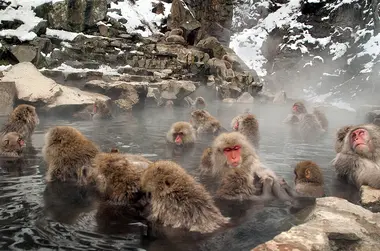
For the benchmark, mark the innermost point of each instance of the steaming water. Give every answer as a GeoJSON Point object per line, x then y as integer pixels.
{"type": "Point", "coordinates": [65, 218]}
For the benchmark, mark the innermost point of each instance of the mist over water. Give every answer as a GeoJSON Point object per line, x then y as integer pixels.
{"type": "Point", "coordinates": [35, 217]}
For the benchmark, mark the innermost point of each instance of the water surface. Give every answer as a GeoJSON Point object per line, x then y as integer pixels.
{"type": "Point", "coordinates": [36, 217]}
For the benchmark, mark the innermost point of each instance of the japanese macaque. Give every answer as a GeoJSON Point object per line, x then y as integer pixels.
{"type": "Point", "coordinates": [340, 135]}
{"type": "Point", "coordinates": [178, 201]}
{"type": "Point", "coordinates": [68, 155]}
{"type": "Point", "coordinates": [204, 122]}
{"type": "Point", "coordinates": [181, 133]}
{"type": "Point", "coordinates": [101, 110]}
{"type": "Point", "coordinates": [308, 179]}
{"type": "Point", "coordinates": [231, 60]}
{"type": "Point", "coordinates": [12, 145]}
{"type": "Point", "coordinates": [206, 164]}
{"type": "Point", "coordinates": [198, 103]}
{"type": "Point", "coordinates": [310, 125]}
{"type": "Point", "coordinates": [176, 36]}
{"type": "Point", "coordinates": [169, 105]}
{"type": "Point", "coordinates": [240, 172]}
{"type": "Point", "coordinates": [359, 159]}
{"type": "Point", "coordinates": [22, 120]}
{"type": "Point", "coordinates": [247, 125]}
{"type": "Point", "coordinates": [119, 178]}
{"type": "Point", "coordinates": [218, 67]}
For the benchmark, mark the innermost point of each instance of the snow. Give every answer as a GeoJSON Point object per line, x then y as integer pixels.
{"type": "Point", "coordinates": [338, 50]}
{"type": "Point", "coordinates": [24, 14]}
{"type": "Point", "coordinates": [5, 67]}
{"type": "Point", "coordinates": [61, 34]}
{"type": "Point", "coordinates": [105, 69]}
{"type": "Point", "coordinates": [248, 43]}
{"type": "Point", "coordinates": [140, 15]}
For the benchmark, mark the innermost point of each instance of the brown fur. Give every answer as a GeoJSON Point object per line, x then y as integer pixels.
{"type": "Point", "coordinates": [340, 135]}
{"type": "Point", "coordinates": [248, 126]}
{"type": "Point", "coordinates": [12, 145]}
{"type": "Point", "coordinates": [360, 168]}
{"type": "Point", "coordinates": [176, 39]}
{"type": "Point", "coordinates": [184, 128]}
{"type": "Point", "coordinates": [178, 201]}
{"type": "Point", "coordinates": [68, 155]}
{"type": "Point", "coordinates": [119, 178]}
{"type": "Point", "coordinates": [309, 127]}
{"type": "Point", "coordinates": [22, 120]}
{"type": "Point", "coordinates": [218, 67]}
{"type": "Point", "coordinates": [103, 110]}
{"type": "Point", "coordinates": [138, 160]}
{"type": "Point", "coordinates": [308, 179]}
{"type": "Point", "coordinates": [206, 164]}
{"type": "Point", "coordinates": [204, 122]}
{"type": "Point", "coordinates": [250, 166]}
{"type": "Point", "coordinates": [234, 63]}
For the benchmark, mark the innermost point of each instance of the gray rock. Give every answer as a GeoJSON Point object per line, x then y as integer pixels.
{"type": "Point", "coordinates": [333, 224]}
{"type": "Point", "coordinates": [24, 53]}
{"type": "Point", "coordinates": [212, 43]}
{"type": "Point", "coordinates": [280, 98]}
{"type": "Point", "coordinates": [245, 98]}
{"type": "Point", "coordinates": [8, 94]}
{"type": "Point", "coordinates": [370, 198]}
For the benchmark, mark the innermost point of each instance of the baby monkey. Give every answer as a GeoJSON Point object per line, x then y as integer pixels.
{"type": "Point", "coordinates": [12, 145]}
{"type": "Point", "coordinates": [247, 125]}
{"type": "Point", "coordinates": [204, 122]}
{"type": "Point", "coordinates": [178, 201]}
{"type": "Point", "coordinates": [308, 179]}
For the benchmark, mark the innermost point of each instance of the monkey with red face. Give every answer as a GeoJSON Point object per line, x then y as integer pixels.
{"type": "Point", "coordinates": [12, 145]}
{"type": "Point", "coordinates": [181, 133]}
{"type": "Point", "coordinates": [240, 174]}
{"type": "Point", "coordinates": [359, 158]}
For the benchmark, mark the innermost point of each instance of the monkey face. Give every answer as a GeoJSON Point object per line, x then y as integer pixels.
{"type": "Point", "coordinates": [298, 108]}
{"type": "Point", "coordinates": [233, 155]}
{"type": "Point", "coordinates": [178, 138]}
{"type": "Point", "coordinates": [360, 141]}
{"type": "Point", "coordinates": [13, 142]}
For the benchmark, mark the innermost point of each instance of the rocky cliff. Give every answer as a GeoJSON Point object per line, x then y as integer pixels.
{"type": "Point", "coordinates": [323, 50]}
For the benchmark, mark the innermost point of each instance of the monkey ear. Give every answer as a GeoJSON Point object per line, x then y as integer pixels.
{"type": "Point", "coordinates": [6, 142]}
{"type": "Point", "coordinates": [168, 182]}
{"type": "Point", "coordinates": [307, 173]}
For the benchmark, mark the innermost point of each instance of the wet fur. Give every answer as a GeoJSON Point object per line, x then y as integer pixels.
{"type": "Point", "coordinates": [340, 135]}
{"type": "Point", "coordinates": [178, 201]}
{"type": "Point", "coordinates": [360, 169]}
{"type": "Point", "coordinates": [103, 110]}
{"type": "Point", "coordinates": [10, 146]}
{"type": "Point", "coordinates": [248, 126]}
{"type": "Point", "coordinates": [119, 179]}
{"type": "Point", "coordinates": [206, 164]}
{"type": "Point", "coordinates": [312, 186]}
{"type": "Point", "coordinates": [204, 122]}
{"type": "Point", "coordinates": [68, 155]}
{"type": "Point", "coordinates": [186, 128]}
{"type": "Point", "coordinates": [22, 120]}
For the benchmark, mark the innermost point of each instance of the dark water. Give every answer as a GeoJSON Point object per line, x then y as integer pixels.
{"type": "Point", "coordinates": [36, 217]}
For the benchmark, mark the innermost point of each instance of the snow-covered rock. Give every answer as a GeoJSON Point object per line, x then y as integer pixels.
{"type": "Point", "coordinates": [32, 87]}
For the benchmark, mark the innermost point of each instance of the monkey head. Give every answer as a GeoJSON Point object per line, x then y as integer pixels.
{"type": "Point", "coordinates": [100, 107]}
{"type": "Point", "coordinates": [309, 172]}
{"type": "Point", "coordinates": [200, 103]}
{"type": "Point", "coordinates": [161, 176]}
{"type": "Point", "coordinates": [298, 108]}
{"type": "Point", "coordinates": [12, 142]}
{"type": "Point", "coordinates": [245, 122]}
{"type": "Point", "coordinates": [198, 117]}
{"type": "Point", "coordinates": [26, 114]}
{"type": "Point", "coordinates": [181, 133]}
{"type": "Point", "coordinates": [230, 150]}
{"type": "Point", "coordinates": [169, 104]}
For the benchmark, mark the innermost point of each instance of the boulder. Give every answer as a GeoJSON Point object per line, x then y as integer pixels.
{"type": "Point", "coordinates": [333, 224]}
{"type": "Point", "coordinates": [76, 15]}
{"type": "Point", "coordinates": [212, 43]}
{"type": "Point", "coordinates": [24, 53]}
{"type": "Point", "coordinates": [36, 89]}
{"type": "Point", "coordinates": [8, 94]}
{"type": "Point", "coordinates": [245, 98]}
{"type": "Point", "coordinates": [370, 198]}
{"type": "Point", "coordinates": [280, 98]}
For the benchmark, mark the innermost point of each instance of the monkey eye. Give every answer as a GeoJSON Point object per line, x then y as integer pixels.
{"type": "Point", "coordinates": [227, 149]}
{"type": "Point", "coordinates": [236, 148]}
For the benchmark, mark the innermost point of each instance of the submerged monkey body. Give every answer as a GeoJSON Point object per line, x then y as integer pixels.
{"type": "Point", "coordinates": [178, 201]}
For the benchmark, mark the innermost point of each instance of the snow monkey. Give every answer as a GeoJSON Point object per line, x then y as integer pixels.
{"type": "Point", "coordinates": [23, 120]}
{"type": "Point", "coordinates": [68, 155]}
{"type": "Point", "coordinates": [204, 122]}
{"type": "Point", "coordinates": [247, 125]}
{"type": "Point", "coordinates": [178, 201]}
{"type": "Point", "coordinates": [359, 159]}
{"type": "Point", "coordinates": [12, 145]}
{"type": "Point", "coordinates": [340, 135]}
{"type": "Point", "coordinates": [181, 133]}
{"type": "Point", "coordinates": [308, 179]}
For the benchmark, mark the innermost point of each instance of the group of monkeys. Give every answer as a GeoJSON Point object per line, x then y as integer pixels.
{"type": "Point", "coordinates": [165, 194]}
